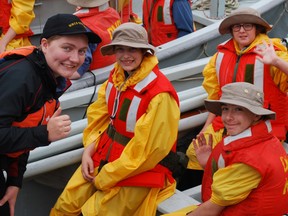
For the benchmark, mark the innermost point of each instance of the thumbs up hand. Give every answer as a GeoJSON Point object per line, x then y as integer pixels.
{"type": "Point", "coordinates": [59, 126]}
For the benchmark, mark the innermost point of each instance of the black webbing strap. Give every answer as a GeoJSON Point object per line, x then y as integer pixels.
{"type": "Point", "coordinates": [117, 137]}
{"type": "Point", "coordinates": [174, 161]}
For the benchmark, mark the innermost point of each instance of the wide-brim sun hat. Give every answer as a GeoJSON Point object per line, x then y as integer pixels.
{"type": "Point", "coordinates": [128, 34]}
{"type": "Point", "coordinates": [241, 94]}
{"type": "Point", "coordinates": [87, 3]}
{"type": "Point", "coordinates": [243, 15]}
{"type": "Point", "coordinates": [67, 24]}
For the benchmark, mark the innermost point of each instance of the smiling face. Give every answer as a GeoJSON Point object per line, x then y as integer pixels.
{"type": "Point", "coordinates": [129, 58]}
{"type": "Point", "coordinates": [243, 37]}
{"type": "Point", "coordinates": [65, 54]}
{"type": "Point", "coordinates": [236, 119]}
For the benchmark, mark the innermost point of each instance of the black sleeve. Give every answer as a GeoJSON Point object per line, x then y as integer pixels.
{"type": "Point", "coordinates": [15, 170]}
{"type": "Point", "coordinates": [18, 86]}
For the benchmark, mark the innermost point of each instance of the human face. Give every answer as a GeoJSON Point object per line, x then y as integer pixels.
{"type": "Point", "coordinates": [65, 54]}
{"type": "Point", "coordinates": [244, 37]}
{"type": "Point", "coordinates": [129, 58]}
{"type": "Point", "coordinates": [236, 119]}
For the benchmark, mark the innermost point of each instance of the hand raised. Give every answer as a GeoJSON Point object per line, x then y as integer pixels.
{"type": "Point", "coordinates": [59, 126]}
{"type": "Point", "coordinates": [202, 148]}
{"type": "Point", "coordinates": [266, 52]}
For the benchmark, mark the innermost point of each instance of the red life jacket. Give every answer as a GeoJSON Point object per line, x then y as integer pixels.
{"type": "Point", "coordinates": [246, 68]}
{"type": "Point", "coordinates": [5, 14]}
{"type": "Point", "coordinates": [133, 103]}
{"type": "Point", "coordinates": [158, 21]}
{"type": "Point", "coordinates": [102, 21]}
{"type": "Point", "coordinates": [258, 148]}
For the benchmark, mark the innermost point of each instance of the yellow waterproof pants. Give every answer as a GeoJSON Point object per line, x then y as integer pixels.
{"type": "Point", "coordinates": [80, 196]}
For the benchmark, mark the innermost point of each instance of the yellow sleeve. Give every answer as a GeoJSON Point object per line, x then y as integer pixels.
{"type": "Point", "coordinates": [123, 3]}
{"type": "Point", "coordinates": [154, 135]}
{"type": "Point", "coordinates": [97, 117]}
{"type": "Point", "coordinates": [233, 184]}
{"type": "Point", "coordinates": [279, 77]}
{"type": "Point", "coordinates": [22, 14]}
{"type": "Point", "coordinates": [210, 82]}
{"type": "Point", "coordinates": [216, 136]}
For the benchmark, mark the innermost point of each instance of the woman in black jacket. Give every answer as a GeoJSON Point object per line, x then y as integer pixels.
{"type": "Point", "coordinates": [30, 85]}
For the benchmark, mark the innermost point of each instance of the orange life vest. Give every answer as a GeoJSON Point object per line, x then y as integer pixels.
{"type": "Point", "coordinates": [233, 68]}
{"type": "Point", "coordinates": [158, 21]}
{"type": "Point", "coordinates": [102, 20]}
{"type": "Point", "coordinates": [133, 103]}
{"type": "Point", "coordinates": [258, 148]}
{"type": "Point", "coordinates": [24, 51]}
{"type": "Point", "coordinates": [40, 117]}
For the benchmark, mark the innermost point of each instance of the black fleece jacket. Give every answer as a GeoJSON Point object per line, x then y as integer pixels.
{"type": "Point", "coordinates": [26, 83]}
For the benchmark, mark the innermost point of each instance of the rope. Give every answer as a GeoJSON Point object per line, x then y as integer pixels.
{"type": "Point", "coordinates": [203, 5]}
{"type": "Point", "coordinates": [94, 92]}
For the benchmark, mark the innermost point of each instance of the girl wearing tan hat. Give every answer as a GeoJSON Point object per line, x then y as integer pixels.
{"type": "Point", "coordinates": [246, 173]}
{"type": "Point", "coordinates": [131, 128]}
{"type": "Point", "coordinates": [249, 56]}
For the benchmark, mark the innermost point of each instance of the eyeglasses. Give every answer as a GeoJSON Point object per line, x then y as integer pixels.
{"type": "Point", "coordinates": [246, 26]}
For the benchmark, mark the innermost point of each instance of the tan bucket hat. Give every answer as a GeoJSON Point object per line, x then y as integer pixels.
{"type": "Point", "coordinates": [128, 34]}
{"type": "Point", "coordinates": [242, 94]}
{"type": "Point", "coordinates": [243, 15]}
{"type": "Point", "coordinates": [87, 3]}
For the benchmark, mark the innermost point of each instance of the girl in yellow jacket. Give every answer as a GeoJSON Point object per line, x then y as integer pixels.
{"type": "Point", "coordinates": [132, 128]}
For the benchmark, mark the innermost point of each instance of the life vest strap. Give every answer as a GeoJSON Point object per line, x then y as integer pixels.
{"type": "Point", "coordinates": [174, 161]}
{"type": "Point", "coordinates": [117, 137]}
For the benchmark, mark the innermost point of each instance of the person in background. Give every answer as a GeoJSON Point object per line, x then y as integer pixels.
{"type": "Point", "coordinates": [249, 56]}
{"type": "Point", "coordinates": [101, 19]}
{"type": "Point", "coordinates": [246, 173]}
{"type": "Point", "coordinates": [167, 20]}
{"type": "Point", "coordinates": [31, 86]}
{"type": "Point", "coordinates": [132, 127]}
{"type": "Point", "coordinates": [15, 19]}
{"type": "Point", "coordinates": [125, 10]}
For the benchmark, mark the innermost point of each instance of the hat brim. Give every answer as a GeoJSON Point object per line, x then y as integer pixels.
{"type": "Point", "coordinates": [109, 48]}
{"type": "Point", "coordinates": [224, 27]}
{"type": "Point", "coordinates": [87, 3]}
{"type": "Point", "coordinates": [214, 106]}
{"type": "Point", "coordinates": [92, 37]}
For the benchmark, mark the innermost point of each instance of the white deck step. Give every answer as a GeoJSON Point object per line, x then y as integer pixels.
{"type": "Point", "coordinates": [180, 199]}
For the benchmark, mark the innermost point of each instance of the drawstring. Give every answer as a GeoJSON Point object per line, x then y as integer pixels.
{"type": "Point", "coordinates": [116, 100]}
